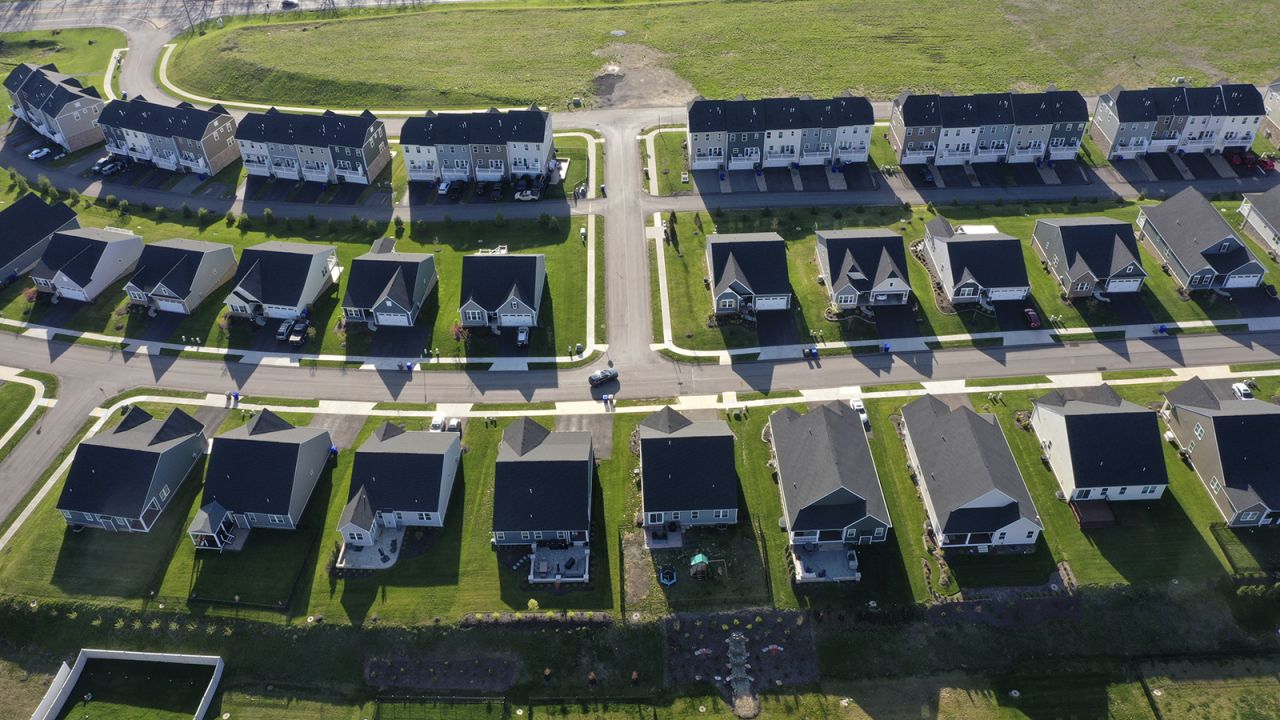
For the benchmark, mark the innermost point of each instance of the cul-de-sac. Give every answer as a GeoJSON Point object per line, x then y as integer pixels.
{"type": "Point", "coordinates": [639, 360]}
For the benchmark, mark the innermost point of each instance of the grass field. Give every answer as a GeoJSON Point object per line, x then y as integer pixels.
{"type": "Point", "coordinates": [81, 53]}
{"type": "Point", "coordinates": [133, 690]}
{"type": "Point", "coordinates": [14, 399]}
{"type": "Point", "coordinates": [1236, 689]}
{"type": "Point", "coordinates": [669, 156]}
{"type": "Point", "coordinates": [563, 301]}
{"type": "Point", "coordinates": [754, 47]}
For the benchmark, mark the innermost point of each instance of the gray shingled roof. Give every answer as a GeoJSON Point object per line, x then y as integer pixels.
{"type": "Point", "coordinates": [1267, 204]}
{"type": "Point", "coordinates": [756, 261]}
{"type": "Point", "coordinates": [328, 129]}
{"type": "Point", "coordinates": [542, 479]}
{"type": "Point", "coordinates": [1190, 225]}
{"type": "Point", "coordinates": [75, 253]}
{"type": "Point", "coordinates": [174, 263]}
{"type": "Point", "coordinates": [27, 222]}
{"type": "Point", "coordinates": [989, 259]}
{"type": "Point", "coordinates": [375, 276]}
{"type": "Point", "coordinates": [865, 259]}
{"type": "Point", "coordinates": [486, 127]}
{"type": "Point", "coordinates": [1111, 441]}
{"type": "Point", "coordinates": [401, 470]}
{"type": "Point", "coordinates": [252, 467]}
{"type": "Point", "coordinates": [137, 114]}
{"type": "Point", "coordinates": [686, 465]}
{"type": "Point", "coordinates": [275, 272]}
{"type": "Point", "coordinates": [490, 280]}
{"type": "Point", "coordinates": [825, 469]}
{"type": "Point", "coordinates": [1097, 245]}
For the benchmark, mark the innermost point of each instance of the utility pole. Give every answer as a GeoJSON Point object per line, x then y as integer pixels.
{"type": "Point", "coordinates": [191, 23]}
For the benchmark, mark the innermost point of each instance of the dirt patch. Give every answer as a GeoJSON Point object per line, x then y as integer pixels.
{"type": "Point", "coordinates": [637, 76]}
{"type": "Point", "coordinates": [637, 566]}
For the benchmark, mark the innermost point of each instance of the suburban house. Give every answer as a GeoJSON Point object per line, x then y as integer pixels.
{"type": "Point", "coordinates": [1231, 443]}
{"type": "Point", "coordinates": [778, 132]}
{"type": "Point", "coordinates": [831, 495]}
{"type": "Point", "coordinates": [542, 489]}
{"type": "Point", "coordinates": [863, 268]}
{"type": "Point", "coordinates": [122, 479]}
{"type": "Point", "coordinates": [399, 479]}
{"type": "Point", "coordinates": [279, 280]}
{"type": "Point", "coordinates": [1090, 255]}
{"type": "Point", "coordinates": [976, 263]}
{"type": "Point", "coordinates": [501, 289]}
{"type": "Point", "coordinates": [688, 477]}
{"type": "Point", "coordinates": [1271, 103]}
{"type": "Point", "coordinates": [26, 227]}
{"type": "Point", "coordinates": [748, 273]}
{"type": "Point", "coordinates": [484, 146]}
{"type": "Point", "coordinates": [177, 275]}
{"type": "Point", "coordinates": [987, 127]}
{"type": "Point", "coordinates": [1200, 248]}
{"type": "Point", "coordinates": [183, 138]}
{"type": "Point", "coordinates": [972, 488]}
{"type": "Point", "coordinates": [387, 288]}
{"type": "Point", "coordinates": [79, 264]}
{"type": "Point", "coordinates": [1099, 445]}
{"type": "Point", "coordinates": [324, 148]}
{"type": "Point", "coordinates": [1131, 123]}
{"type": "Point", "coordinates": [1261, 213]}
{"type": "Point", "coordinates": [55, 105]}
{"type": "Point", "coordinates": [260, 475]}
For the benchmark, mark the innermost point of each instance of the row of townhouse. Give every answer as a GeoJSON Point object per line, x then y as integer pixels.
{"type": "Point", "coordinates": [324, 148]}
{"type": "Point", "coordinates": [55, 105]}
{"type": "Point", "coordinates": [1131, 123]}
{"type": "Point", "coordinates": [987, 127]}
{"type": "Point", "coordinates": [743, 134]}
{"type": "Point", "coordinates": [183, 138]}
{"type": "Point", "coordinates": [481, 146]}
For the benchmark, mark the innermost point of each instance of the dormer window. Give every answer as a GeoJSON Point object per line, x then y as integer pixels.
{"type": "Point", "coordinates": [1225, 246]}
{"type": "Point", "coordinates": [515, 303]}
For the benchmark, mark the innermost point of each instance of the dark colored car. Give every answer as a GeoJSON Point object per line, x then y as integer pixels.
{"type": "Point", "coordinates": [1033, 318]}
{"type": "Point", "coordinates": [600, 377]}
{"type": "Point", "coordinates": [298, 333]}
{"type": "Point", "coordinates": [456, 190]}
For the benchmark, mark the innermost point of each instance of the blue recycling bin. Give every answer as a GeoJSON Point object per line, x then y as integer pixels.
{"type": "Point", "coordinates": [887, 347]}
{"type": "Point", "coordinates": [721, 176]}
{"type": "Point", "coordinates": [1163, 329]}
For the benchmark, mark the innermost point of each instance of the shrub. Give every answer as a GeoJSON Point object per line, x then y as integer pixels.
{"type": "Point", "coordinates": [268, 217]}
{"type": "Point", "coordinates": [111, 201]}
{"type": "Point", "coordinates": [73, 196]}
{"type": "Point", "coordinates": [202, 216]}
{"type": "Point", "coordinates": [161, 213]}
{"type": "Point", "coordinates": [373, 227]}
{"type": "Point", "coordinates": [186, 211]}
{"type": "Point", "coordinates": [499, 219]}
{"type": "Point", "coordinates": [124, 208]}
{"type": "Point", "coordinates": [311, 221]}
{"type": "Point", "coordinates": [244, 223]}
{"type": "Point", "coordinates": [544, 220]}
{"type": "Point", "coordinates": [144, 207]}
{"type": "Point", "coordinates": [355, 221]}
{"type": "Point", "coordinates": [231, 218]}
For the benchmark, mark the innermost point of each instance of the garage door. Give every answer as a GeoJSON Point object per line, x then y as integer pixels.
{"type": "Point", "coordinates": [1007, 294]}
{"type": "Point", "coordinates": [392, 319]}
{"type": "Point", "coordinates": [173, 306]}
{"type": "Point", "coordinates": [1243, 281]}
{"type": "Point", "coordinates": [771, 302]}
{"type": "Point", "coordinates": [73, 293]}
{"type": "Point", "coordinates": [1124, 285]}
{"type": "Point", "coordinates": [516, 320]}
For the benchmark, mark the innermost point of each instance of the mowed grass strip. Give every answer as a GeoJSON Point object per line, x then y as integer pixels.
{"type": "Point", "coordinates": [757, 48]}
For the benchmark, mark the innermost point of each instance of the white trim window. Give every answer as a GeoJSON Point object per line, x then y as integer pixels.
{"type": "Point", "coordinates": [1248, 517]}
{"type": "Point", "coordinates": [721, 515]}
{"type": "Point", "coordinates": [499, 536]}
{"type": "Point", "coordinates": [728, 304]}
{"type": "Point", "coordinates": [654, 518]}
{"type": "Point", "coordinates": [846, 299]}
{"type": "Point", "coordinates": [474, 316]}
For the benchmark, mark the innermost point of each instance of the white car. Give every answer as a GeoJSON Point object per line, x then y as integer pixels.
{"type": "Point", "coordinates": [861, 409]}
{"type": "Point", "coordinates": [443, 188]}
{"type": "Point", "coordinates": [525, 196]}
{"type": "Point", "coordinates": [437, 425]}
{"type": "Point", "coordinates": [522, 337]}
{"type": "Point", "coordinates": [1242, 391]}
{"type": "Point", "coordinates": [38, 153]}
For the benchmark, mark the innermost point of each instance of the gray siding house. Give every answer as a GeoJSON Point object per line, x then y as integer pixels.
{"type": "Point", "coordinates": [688, 476]}
{"type": "Point", "coordinates": [1124, 122]}
{"type": "Point", "coordinates": [987, 127]}
{"type": "Point", "coordinates": [279, 280]}
{"type": "Point", "coordinates": [123, 479]}
{"type": "Point", "coordinates": [79, 264]}
{"type": "Point", "coordinates": [1201, 249]}
{"type": "Point", "coordinates": [778, 132]}
{"type": "Point", "coordinates": [25, 229]}
{"type": "Point", "coordinates": [708, 139]}
{"type": "Point", "coordinates": [1231, 443]}
{"type": "Point", "coordinates": [260, 475]}
{"type": "Point", "coordinates": [976, 263]}
{"type": "Point", "coordinates": [863, 268]}
{"type": "Point", "coordinates": [183, 138]}
{"type": "Point", "coordinates": [502, 290]}
{"type": "Point", "coordinates": [323, 148]}
{"type": "Point", "coordinates": [485, 146]}
{"type": "Point", "coordinates": [542, 489]}
{"type": "Point", "coordinates": [177, 275]}
{"type": "Point", "coordinates": [1130, 123]}
{"type": "Point", "coordinates": [1090, 255]}
{"type": "Point", "coordinates": [388, 288]}
{"type": "Point", "coordinates": [972, 488]}
{"type": "Point", "coordinates": [55, 105]}
{"type": "Point", "coordinates": [748, 273]}
{"type": "Point", "coordinates": [915, 127]}
{"type": "Point", "coordinates": [1100, 446]}
{"type": "Point", "coordinates": [831, 494]}
{"type": "Point", "coordinates": [1261, 213]}
{"type": "Point", "coordinates": [1271, 104]}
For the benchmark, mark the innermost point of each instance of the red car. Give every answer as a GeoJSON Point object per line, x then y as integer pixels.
{"type": "Point", "coordinates": [1033, 318]}
{"type": "Point", "coordinates": [1267, 164]}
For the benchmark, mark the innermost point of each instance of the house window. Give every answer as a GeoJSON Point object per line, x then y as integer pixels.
{"type": "Point", "coordinates": [1083, 494]}
{"type": "Point", "coordinates": [1031, 534]}
{"type": "Point", "coordinates": [424, 517]}
{"type": "Point", "coordinates": [879, 532]}
{"type": "Point", "coordinates": [846, 299]}
{"type": "Point", "coordinates": [355, 536]}
{"type": "Point", "coordinates": [1000, 537]}
{"type": "Point", "coordinates": [693, 514]}
{"type": "Point", "coordinates": [655, 518]}
{"type": "Point", "coordinates": [675, 515]}
{"type": "Point", "coordinates": [1149, 490]}
{"type": "Point", "coordinates": [164, 492]}
{"type": "Point", "coordinates": [721, 514]}
{"type": "Point", "coordinates": [537, 535]}
{"type": "Point", "coordinates": [475, 316]}
{"type": "Point", "coordinates": [728, 303]}
{"type": "Point", "coordinates": [1225, 246]}
{"type": "Point", "coordinates": [1082, 286]}
{"type": "Point", "coordinates": [967, 291]}
{"type": "Point", "coordinates": [499, 536]}
{"type": "Point", "coordinates": [1246, 517]}
{"type": "Point", "coordinates": [562, 535]}
{"type": "Point", "coordinates": [1215, 486]}
{"type": "Point", "coordinates": [275, 519]}
{"type": "Point", "coordinates": [524, 535]}
{"type": "Point", "coordinates": [1123, 489]}
{"type": "Point", "coordinates": [1199, 431]}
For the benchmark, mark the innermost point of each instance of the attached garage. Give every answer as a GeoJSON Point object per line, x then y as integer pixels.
{"type": "Point", "coordinates": [516, 320]}
{"type": "Point", "coordinates": [73, 294]}
{"type": "Point", "coordinates": [996, 294]}
{"type": "Point", "coordinates": [392, 319]}
{"type": "Point", "coordinates": [1242, 281]}
{"type": "Point", "coordinates": [773, 302]}
{"type": "Point", "coordinates": [1124, 285]}
{"type": "Point", "coordinates": [169, 305]}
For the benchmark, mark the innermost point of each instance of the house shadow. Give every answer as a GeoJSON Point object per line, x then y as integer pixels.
{"type": "Point", "coordinates": [1166, 345]}
{"type": "Point", "coordinates": [596, 594]}
{"type": "Point", "coordinates": [1155, 542]}
{"type": "Point", "coordinates": [430, 557]}
{"type": "Point", "coordinates": [972, 571]}
{"type": "Point", "coordinates": [884, 582]}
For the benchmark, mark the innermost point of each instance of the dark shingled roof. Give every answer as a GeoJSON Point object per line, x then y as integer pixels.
{"type": "Point", "coordinates": [686, 466]}
{"type": "Point", "coordinates": [376, 276]}
{"type": "Point", "coordinates": [252, 467]}
{"type": "Point", "coordinates": [706, 115]}
{"type": "Point", "coordinates": [1111, 441]}
{"type": "Point", "coordinates": [112, 471]}
{"type": "Point", "coordinates": [402, 470]}
{"type": "Point", "coordinates": [757, 261]}
{"type": "Point", "coordinates": [275, 272]}
{"type": "Point", "coordinates": [1098, 245]}
{"type": "Point", "coordinates": [866, 259]}
{"type": "Point", "coordinates": [173, 263]}
{"type": "Point", "coordinates": [184, 121]}
{"type": "Point", "coordinates": [42, 86]}
{"type": "Point", "coordinates": [962, 111]}
{"type": "Point", "coordinates": [825, 470]}
{"type": "Point", "coordinates": [1169, 100]}
{"type": "Point", "coordinates": [1242, 99]}
{"type": "Point", "coordinates": [329, 129]}
{"type": "Point", "coordinates": [490, 280]}
{"type": "Point", "coordinates": [357, 511]}
{"type": "Point", "coordinates": [1190, 225]}
{"type": "Point", "coordinates": [963, 456]}
{"type": "Point", "coordinates": [75, 253]}
{"type": "Point", "coordinates": [1267, 205]}
{"type": "Point", "coordinates": [542, 479]}
{"type": "Point", "coordinates": [489, 126]}
{"type": "Point", "coordinates": [1132, 105]}
{"type": "Point", "coordinates": [1066, 106]}
{"type": "Point", "coordinates": [989, 259]}
{"type": "Point", "coordinates": [919, 110]}
{"type": "Point", "coordinates": [27, 222]}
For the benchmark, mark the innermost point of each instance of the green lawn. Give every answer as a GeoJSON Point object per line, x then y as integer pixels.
{"type": "Point", "coordinates": [81, 53]}
{"type": "Point", "coordinates": [563, 301]}
{"type": "Point", "coordinates": [1241, 689]}
{"type": "Point", "coordinates": [1135, 374]}
{"type": "Point", "coordinates": [1152, 542]}
{"type": "Point", "coordinates": [135, 690]}
{"type": "Point", "coordinates": [757, 48]}
{"type": "Point", "coordinates": [1014, 380]}
{"type": "Point", "coordinates": [670, 157]}
{"type": "Point", "coordinates": [14, 399]}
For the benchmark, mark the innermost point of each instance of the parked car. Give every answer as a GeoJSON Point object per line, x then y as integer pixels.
{"type": "Point", "coordinates": [455, 425]}
{"type": "Point", "coordinates": [1242, 391]}
{"type": "Point", "coordinates": [289, 4]}
{"type": "Point", "coordinates": [482, 190]}
{"type": "Point", "coordinates": [928, 176]}
{"type": "Point", "coordinates": [102, 162]}
{"type": "Point", "coordinates": [495, 192]}
{"type": "Point", "coordinates": [437, 425]}
{"type": "Point", "coordinates": [456, 189]}
{"type": "Point", "coordinates": [112, 168]}
{"type": "Point", "coordinates": [444, 187]}
{"type": "Point", "coordinates": [860, 408]}
{"type": "Point", "coordinates": [298, 334]}
{"type": "Point", "coordinates": [1033, 318]}
{"type": "Point", "coordinates": [525, 196]}
{"type": "Point", "coordinates": [600, 377]}
{"type": "Point", "coordinates": [282, 333]}
{"type": "Point", "coordinates": [38, 153]}
{"type": "Point", "coordinates": [522, 337]}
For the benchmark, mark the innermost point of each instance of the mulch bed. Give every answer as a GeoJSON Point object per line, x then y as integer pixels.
{"type": "Point", "coordinates": [697, 651]}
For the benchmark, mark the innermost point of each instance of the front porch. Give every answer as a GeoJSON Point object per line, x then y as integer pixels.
{"type": "Point", "coordinates": [382, 554]}
{"type": "Point", "coordinates": [215, 528]}
{"type": "Point", "coordinates": [548, 564]}
{"type": "Point", "coordinates": [825, 563]}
